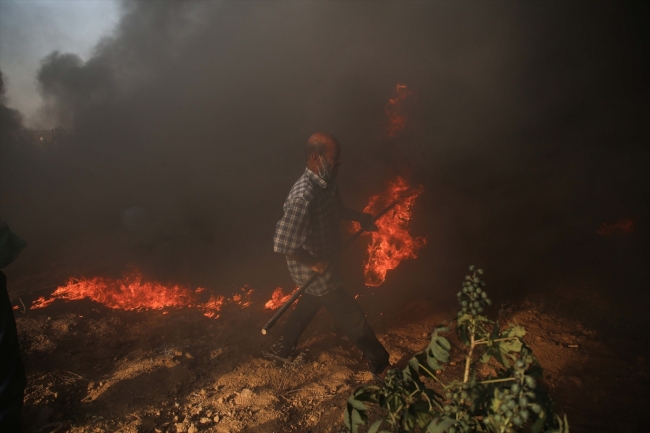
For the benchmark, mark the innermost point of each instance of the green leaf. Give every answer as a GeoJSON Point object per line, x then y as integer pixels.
{"type": "Point", "coordinates": [487, 355]}
{"type": "Point", "coordinates": [439, 345]}
{"type": "Point", "coordinates": [538, 425]}
{"type": "Point", "coordinates": [440, 425]}
{"type": "Point", "coordinates": [346, 418]}
{"type": "Point", "coordinates": [461, 331]}
{"type": "Point", "coordinates": [495, 331]}
{"type": "Point", "coordinates": [414, 364]}
{"type": "Point", "coordinates": [510, 346]}
{"type": "Point", "coordinates": [356, 404]}
{"type": "Point", "coordinates": [498, 354]}
{"type": "Point", "coordinates": [356, 421]}
{"type": "Point", "coordinates": [516, 331]}
{"type": "Point", "coordinates": [375, 426]}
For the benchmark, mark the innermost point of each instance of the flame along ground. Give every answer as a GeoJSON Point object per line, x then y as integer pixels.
{"type": "Point", "coordinates": [392, 242]}
{"type": "Point", "coordinates": [133, 293]}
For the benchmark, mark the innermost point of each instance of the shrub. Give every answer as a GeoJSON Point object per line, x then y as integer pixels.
{"type": "Point", "coordinates": [511, 401]}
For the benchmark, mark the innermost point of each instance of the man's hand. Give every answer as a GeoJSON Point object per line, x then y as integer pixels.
{"type": "Point", "coordinates": [320, 267]}
{"type": "Point", "coordinates": [367, 223]}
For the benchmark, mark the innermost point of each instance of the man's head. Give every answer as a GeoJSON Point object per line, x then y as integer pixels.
{"type": "Point", "coordinates": [323, 154]}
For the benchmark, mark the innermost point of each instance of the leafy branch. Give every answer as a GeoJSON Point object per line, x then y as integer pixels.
{"type": "Point", "coordinates": [507, 403]}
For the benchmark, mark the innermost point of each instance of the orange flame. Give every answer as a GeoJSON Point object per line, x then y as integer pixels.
{"type": "Point", "coordinates": [132, 293]}
{"type": "Point", "coordinates": [213, 306]}
{"type": "Point", "coordinates": [620, 227]}
{"type": "Point", "coordinates": [277, 299]}
{"type": "Point", "coordinates": [396, 111]}
{"type": "Point", "coordinates": [244, 298]}
{"type": "Point", "coordinates": [392, 243]}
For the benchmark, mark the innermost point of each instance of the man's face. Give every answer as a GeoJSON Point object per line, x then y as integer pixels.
{"type": "Point", "coordinates": [332, 158]}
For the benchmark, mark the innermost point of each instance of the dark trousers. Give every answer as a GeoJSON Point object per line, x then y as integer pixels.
{"type": "Point", "coordinates": [12, 373]}
{"type": "Point", "coordinates": [347, 314]}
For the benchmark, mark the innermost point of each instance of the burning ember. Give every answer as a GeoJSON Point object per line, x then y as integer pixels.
{"type": "Point", "coordinates": [278, 298]}
{"type": "Point", "coordinates": [620, 227]}
{"type": "Point", "coordinates": [396, 111]}
{"type": "Point", "coordinates": [132, 293]}
{"type": "Point", "coordinates": [392, 243]}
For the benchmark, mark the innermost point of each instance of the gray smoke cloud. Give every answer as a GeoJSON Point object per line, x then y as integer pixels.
{"type": "Point", "coordinates": [528, 128]}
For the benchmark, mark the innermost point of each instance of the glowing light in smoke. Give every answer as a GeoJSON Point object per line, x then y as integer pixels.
{"type": "Point", "coordinates": [620, 227]}
{"type": "Point", "coordinates": [396, 111]}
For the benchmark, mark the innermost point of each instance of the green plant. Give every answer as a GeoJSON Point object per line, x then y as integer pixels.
{"type": "Point", "coordinates": [511, 401]}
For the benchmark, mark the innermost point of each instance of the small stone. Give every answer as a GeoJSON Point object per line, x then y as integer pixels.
{"type": "Point", "coordinates": [216, 419]}
{"type": "Point", "coordinates": [188, 355]}
{"type": "Point", "coordinates": [192, 429]}
{"type": "Point", "coordinates": [180, 427]}
{"type": "Point", "coordinates": [205, 420]}
{"type": "Point", "coordinates": [313, 419]}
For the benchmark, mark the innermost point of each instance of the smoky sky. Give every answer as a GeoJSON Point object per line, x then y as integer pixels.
{"type": "Point", "coordinates": [527, 128]}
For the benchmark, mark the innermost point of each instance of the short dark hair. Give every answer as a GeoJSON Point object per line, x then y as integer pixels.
{"type": "Point", "coordinates": [314, 147]}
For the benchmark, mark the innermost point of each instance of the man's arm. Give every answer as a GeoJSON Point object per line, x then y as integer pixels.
{"type": "Point", "coordinates": [365, 219]}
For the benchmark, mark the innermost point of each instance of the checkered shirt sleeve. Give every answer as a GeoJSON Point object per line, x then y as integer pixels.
{"type": "Point", "coordinates": [292, 230]}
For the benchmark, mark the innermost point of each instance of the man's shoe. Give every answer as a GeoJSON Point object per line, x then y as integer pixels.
{"type": "Point", "coordinates": [280, 351]}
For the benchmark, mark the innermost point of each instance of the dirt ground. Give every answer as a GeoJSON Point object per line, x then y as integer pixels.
{"type": "Point", "coordinates": [93, 369]}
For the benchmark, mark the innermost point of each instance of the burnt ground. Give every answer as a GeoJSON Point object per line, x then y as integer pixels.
{"type": "Point", "coordinates": [93, 369]}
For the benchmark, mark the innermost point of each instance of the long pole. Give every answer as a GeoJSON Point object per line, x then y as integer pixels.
{"type": "Point", "coordinates": [313, 276]}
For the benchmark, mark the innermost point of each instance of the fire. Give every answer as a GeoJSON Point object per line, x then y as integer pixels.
{"type": "Point", "coordinates": [129, 293]}
{"type": "Point", "coordinates": [132, 293]}
{"type": "Point", "coordinates": [620, 227]}
{"type": "Point", "coordinates": [277, 299]}
{"type": "Point", "coordinates": [213, 306]}
{"type": "Point", "coordinates": [396, 111]}
{"type": "Point", "coordinates": [244, 298]}
{"type": "Point", "coordinates": [392, 242]}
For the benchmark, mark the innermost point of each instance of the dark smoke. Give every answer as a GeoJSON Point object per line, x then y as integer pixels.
{"type": "Point", "coordinates": [529, 129]}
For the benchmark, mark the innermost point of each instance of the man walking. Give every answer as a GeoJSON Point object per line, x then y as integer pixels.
{"type": "Point", "coordinates": [308, 235]}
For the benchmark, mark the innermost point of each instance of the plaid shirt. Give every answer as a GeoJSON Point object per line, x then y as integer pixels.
{"type": "Point", "coordinates": [311, 222]}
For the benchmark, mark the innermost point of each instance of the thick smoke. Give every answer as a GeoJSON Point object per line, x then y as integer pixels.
{"type": "Point", "coordinates": [528, 130]}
